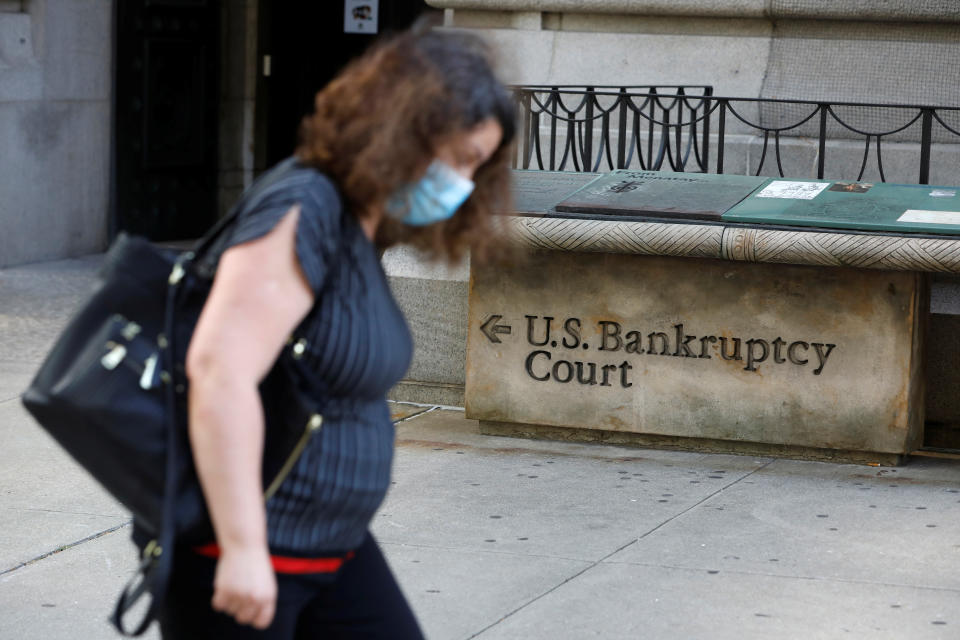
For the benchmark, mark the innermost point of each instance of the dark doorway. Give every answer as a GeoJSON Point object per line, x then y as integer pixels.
{"type": "Point", "coordinates": [306, 46]}
{"type": "Point", "coordinates": [167, 95]}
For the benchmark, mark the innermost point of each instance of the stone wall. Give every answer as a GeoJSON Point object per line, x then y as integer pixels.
{"type": "Point", "coordinates": [846, 50]}
{"type": "Point", "coordinates": [433, 298]}
{"type": "Point", "coordinates": [902, 11]}
{"type": "Point", "coordinates": [55, 119]}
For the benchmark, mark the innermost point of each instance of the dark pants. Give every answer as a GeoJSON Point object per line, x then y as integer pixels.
{"type": "Point", "coordinates": [362, 600]}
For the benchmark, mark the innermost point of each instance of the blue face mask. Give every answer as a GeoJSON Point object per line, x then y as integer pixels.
{"type": "Point", "coordinates": [436, 197]}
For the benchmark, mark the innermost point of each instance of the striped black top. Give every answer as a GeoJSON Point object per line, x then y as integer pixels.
{"type": "Point", "coordinates": [359, 345]}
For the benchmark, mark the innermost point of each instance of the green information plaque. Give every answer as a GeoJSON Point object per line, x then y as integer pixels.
{"type": "Point", "coordinates": [862, 206]}
{"type": "Point", "coordinates": [629, 194]}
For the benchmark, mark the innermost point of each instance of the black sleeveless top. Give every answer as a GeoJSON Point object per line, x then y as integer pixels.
{"type": "Point", "coordinates": [358, 345]}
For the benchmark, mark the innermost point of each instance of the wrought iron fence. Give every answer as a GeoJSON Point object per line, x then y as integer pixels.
{"type": "Point", "coordinates": [566, 110]}
{"type": "Point", "coordinates": [567, 128]}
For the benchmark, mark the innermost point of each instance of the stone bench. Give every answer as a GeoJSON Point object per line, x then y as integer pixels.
{"type": "Point", "coordinates": [714, 332]}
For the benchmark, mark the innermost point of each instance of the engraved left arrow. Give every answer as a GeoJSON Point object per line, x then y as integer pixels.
{"type": "Point", "coordinates": [490, 328]}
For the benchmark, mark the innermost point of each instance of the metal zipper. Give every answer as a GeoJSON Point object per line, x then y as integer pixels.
{"type": "Point", "coordinates": [314, 424]}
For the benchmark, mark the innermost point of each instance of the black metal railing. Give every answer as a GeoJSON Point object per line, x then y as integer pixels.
{"type": "Point", "coordinates": [566, 110]}
{"type": "Point", "coordinates": [670, 128]}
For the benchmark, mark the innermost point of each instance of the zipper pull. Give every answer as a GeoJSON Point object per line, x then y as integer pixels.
{"type": "Point", "coordinates": [130, 331]}
{"type": "Point", "coordinates": [176, 275]}
{"type": "Point", "coordinates": [149, 369]}
{"type": "Point", "coordinates": [114, 357]}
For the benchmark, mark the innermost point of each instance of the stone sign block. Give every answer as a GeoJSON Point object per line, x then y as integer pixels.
{"type": "Point", "coordinates": [788, 355]}
{"type": "Point", "coordinates": [660, 194]}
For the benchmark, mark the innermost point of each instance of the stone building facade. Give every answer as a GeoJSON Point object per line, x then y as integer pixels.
{"type": "Point", "coordinates": [853, 50]}
{"type": "Point", "coordinates": [55, 127]}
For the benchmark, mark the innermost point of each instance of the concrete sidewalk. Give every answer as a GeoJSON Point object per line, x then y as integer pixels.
{"type": "Point", "coordinates": [504, 538]}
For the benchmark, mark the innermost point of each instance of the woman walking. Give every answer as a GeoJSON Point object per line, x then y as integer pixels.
{"type": "Point", "coordinates": [408, 144]}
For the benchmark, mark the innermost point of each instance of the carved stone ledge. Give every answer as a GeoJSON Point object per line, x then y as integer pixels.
{"type": "Point", "coordinates": [736, 243]}
{"type": "Point", "coordinates": [603, 236]}
{"type": "Point", "coordinates": [739, 244]}
{"type": "Point", "coordinates": [893, 253]}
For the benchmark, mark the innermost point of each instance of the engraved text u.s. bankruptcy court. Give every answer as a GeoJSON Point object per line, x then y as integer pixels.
{"type": "Point", "coordinates": [554, 339]}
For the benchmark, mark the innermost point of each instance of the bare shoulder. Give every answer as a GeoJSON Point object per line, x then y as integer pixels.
{"type": "Point", "coordinates": [259, 295]}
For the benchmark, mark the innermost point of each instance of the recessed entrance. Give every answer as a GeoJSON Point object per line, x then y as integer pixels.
{"type": "Point", "coordinates": [166, 109]}
{"type": "Point", "coordinates": [307, 46]}
{"type": "Point", "coordinates": [211, 92]}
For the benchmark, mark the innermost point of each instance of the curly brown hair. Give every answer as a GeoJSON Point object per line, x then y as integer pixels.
{"type": "Point", "coordinates": [376, 127]}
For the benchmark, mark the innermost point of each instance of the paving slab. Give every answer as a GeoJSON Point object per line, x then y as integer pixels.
{"type": "Point", "coordinates": [816, 520]}
{"type": "Point", "coordinates": [450, 426]}
{"type": "Point", "coordinates": [455, 593]}
{"type": "Point", "coordinates": [506, 498]}
{"type": "Point", "coordinates": [404, 410]}
{"type": "Point", "coordinates": [36, 301]}
{"type": "Point", "coordinates": [70, 594]}
{"type": "Point", "coordinates": [46, 499]}
{"type": "Point", "coordinates": [30, 534]}
{"type": "Point", "coordinates": [35, 472]}
{"type": "Point", "coordinates": [615, 601]}
{"type": "Point", "coordinates": [14, 378]}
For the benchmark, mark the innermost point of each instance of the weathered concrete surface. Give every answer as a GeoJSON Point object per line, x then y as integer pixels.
{"type": "Point", "coordinates": [668, 538]}
{"type": "Point", "coordinates": [69, 594]}
{"type": "Point", "coordinates": [35, 303]}
{"type": "Point", "coordinates": [433, 298]}
{"type": "Point", "coordinates": [603, 366]}
{"type": "Point", "coordinates": [702, 445]}
{"type": "Point", "coordinates": [805, 528]}
{"type": "Point", "coordinates": [472, 513]}
{"type": "Point", "coordinates": [406, 410]}
{"type": "Point", "coordinates": [734, 67]}
{"type": "Point", "coordinates": [530, 539]}
{"type": "Point", "coordinates": [48, 500]}
{"type": "Point", "coordinates": [55, 108]}
{"type": "Point", "coordinates": [663, 602]}
{"type": "Point", "coordinates": [919, 11]}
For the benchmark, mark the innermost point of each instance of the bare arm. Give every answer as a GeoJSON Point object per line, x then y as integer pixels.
{"type": "Point", "coordinates": [258, 297]}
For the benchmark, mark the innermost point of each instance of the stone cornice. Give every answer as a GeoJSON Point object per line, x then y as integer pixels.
{"type": "Point", "coordinates": [858, 10]}
{"type": "Point", "coordinates": [739, 243]}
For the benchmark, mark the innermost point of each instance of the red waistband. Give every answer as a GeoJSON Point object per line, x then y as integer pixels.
{"type": "Point", "coordinates": [286, 564]}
